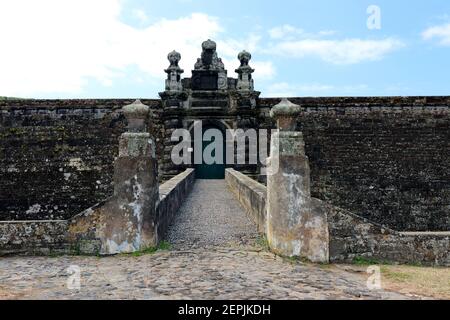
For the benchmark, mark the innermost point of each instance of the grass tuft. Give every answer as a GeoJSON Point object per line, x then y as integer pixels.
{"type": "Point", "coordinates": [162, 246]}
{"type": "Point", "coordinates": [363, 261]}
{"type": "Point", "coordinates": [262, 242]}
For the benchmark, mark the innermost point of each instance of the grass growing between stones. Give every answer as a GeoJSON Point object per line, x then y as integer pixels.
{"type": "Point", "coordinates": [363, 261]}
{"type": "Point", "coordinates": [262, 242]}
{"type": "Point", "coordinates": [162, 246]}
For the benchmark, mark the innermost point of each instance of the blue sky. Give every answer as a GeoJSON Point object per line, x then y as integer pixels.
{"type": "Point", "coordinates": [118, 48]}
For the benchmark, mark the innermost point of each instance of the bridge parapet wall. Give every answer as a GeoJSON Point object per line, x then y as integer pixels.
{"type": "Point", "coordinates": [351, 236]}
{"type": "Point", "coordinates": [172, 195]}
{"type": "Point", "coordinates": [251, 194]}
{"type": "Point", "coordinates": [78, 234]}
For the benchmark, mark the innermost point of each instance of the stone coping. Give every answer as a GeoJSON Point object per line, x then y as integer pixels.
{"type": "Point", "coordinates": [73, 103]}
{"type": "Point", "coordinates": [32, 221]}
{"type": "Point", "coordinates": [171, 184]}
{"type": "Point", "coordinates": [255, 185]}
{"type": "Point", "coordinates": [426, 233]}
{"type": "Point", "coordinates": [389, 102]}
{"type": "Point", "coordinates": [251, 194]}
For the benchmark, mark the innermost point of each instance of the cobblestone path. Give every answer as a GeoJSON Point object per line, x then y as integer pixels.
{"type": "Point", "coordinates": [211, 216]}
{"type": "Point", "coordinates": [214, 256]}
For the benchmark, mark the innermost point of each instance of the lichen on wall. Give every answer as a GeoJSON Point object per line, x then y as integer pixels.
{"type": "Point", "coordinates": [57, 156]}
{"type": "Point", "coordinates": [386, 158]}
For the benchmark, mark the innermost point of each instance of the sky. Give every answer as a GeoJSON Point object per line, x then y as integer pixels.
{"type": "Point", "coordinates": [118, 48]}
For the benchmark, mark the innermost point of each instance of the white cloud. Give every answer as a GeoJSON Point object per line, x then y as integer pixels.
{"type": "Point", "coordinates": [59, 47]}
{"type": "Point", "coordinates": [347, 51]}
{"type": "Point", "coordinates": [264, 70]}
{"type": "Point", "coordinates": [441, 33]}
{"type": "Point", "coordinates": [229, 49]}
{"type": "Point", "coordinates": [184, 35]}
{"type": "Point", "coordinates": [288, 32]}
{"type": "Point", "coordinates": [283, 31]}
{"type": "Point", "coordinates": [140, 15]}
{"type": "Point", "coordinates": [327, 32]}
{"type": "Point", "coordinates": [284, 89]}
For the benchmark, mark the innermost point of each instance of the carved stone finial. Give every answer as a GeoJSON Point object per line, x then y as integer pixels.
{"type": "Point", "coordinates": [285, 114]}
{"type": "Point", "coordinates": [208, 54]}
{"type": "Point", "coordinates": [244, 57]}
{"type": "Point", "coordinates": [174, 57]}
{"type": "Point", "coordinates": [173, 81]}
{"type": "Point", "coordinates": [209, 59]}
{"type": "Point", "coordinates": [245, 81]}
{"type": "Point", "coordinates": [209, 68]}
{"type": "Point", "coordinates": [209, 45]}
{"type": "Point", "coordinates": [136, 114]}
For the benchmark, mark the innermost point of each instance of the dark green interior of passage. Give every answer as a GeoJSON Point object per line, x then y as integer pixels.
{"type": "Point", "coordinates": [215, 170]}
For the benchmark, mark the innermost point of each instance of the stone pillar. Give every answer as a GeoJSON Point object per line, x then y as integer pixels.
{"type": "Point", "coordinates": [295, 227]}
{"type": "Point", "coordinates": [131, 223]}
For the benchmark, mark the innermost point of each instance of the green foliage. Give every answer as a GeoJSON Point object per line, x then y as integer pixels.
{"type": "Point", "coordinates": [399, 276]}
{"type": "Point", "coordinates": [162, 246]}
{"type": "Point", "coordinates": [364, 261]}
{"type": "Point", "coordinates": [150, 250]}
{"type": "Point", "coordinates": [262, 242]}
{"type": "Point", "coordinates": [293, 259]}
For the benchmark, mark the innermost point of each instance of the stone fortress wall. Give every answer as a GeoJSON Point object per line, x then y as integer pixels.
{"type": "Point", "coordinates": [386, 159]}
{"type": "Point", "coordinates": [57, 156]}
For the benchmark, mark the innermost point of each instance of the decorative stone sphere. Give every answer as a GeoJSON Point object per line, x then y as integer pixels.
{"type": "Point", "coordinates": [244, 57]}
{"type": "Point", "coordinates": [286, 113]}
{"type": "Point", "coordinates": [136, 114]}
{"type": "Point", "coordinates": [209, 45]}
{"type": "Point", "coordinates": [174, 57]}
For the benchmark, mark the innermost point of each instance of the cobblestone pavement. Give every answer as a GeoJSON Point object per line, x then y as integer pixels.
{"type": "Point", "coordinates": [214, 256]}
{"type": "Point", "coordinates": [217, 273]}
{"type": "Point", "coordinates": [211, 216]}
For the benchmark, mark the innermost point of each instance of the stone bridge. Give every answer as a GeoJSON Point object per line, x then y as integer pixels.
{"type": "Point", "coordinates": [216, 253]}
{"type": "Point", "coordinates": [220, 234]}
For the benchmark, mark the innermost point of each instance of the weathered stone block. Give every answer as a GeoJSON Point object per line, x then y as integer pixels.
{"type": "Point", "coordinates": [296, 226]}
